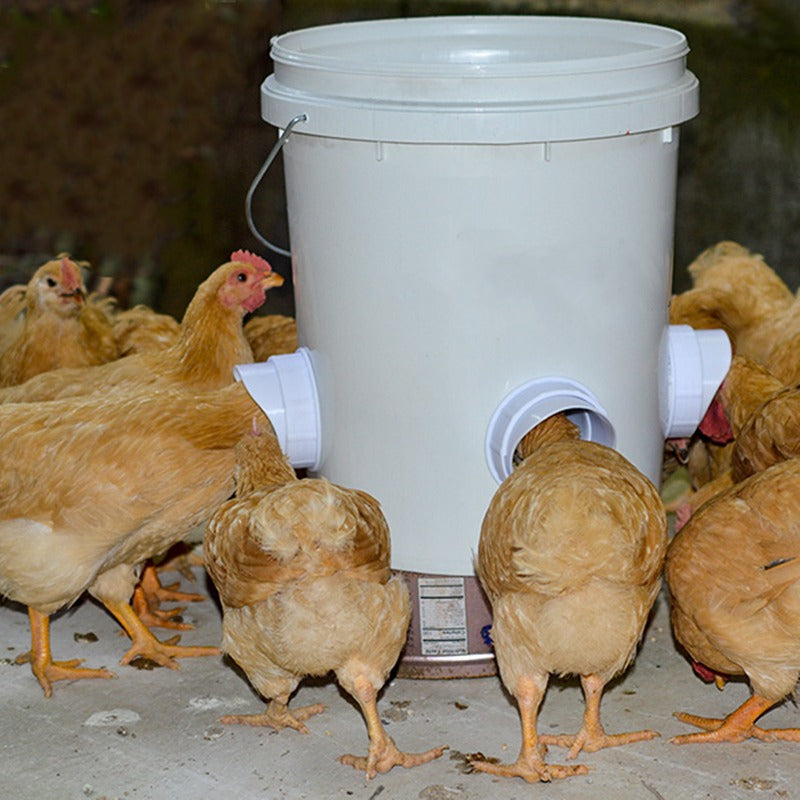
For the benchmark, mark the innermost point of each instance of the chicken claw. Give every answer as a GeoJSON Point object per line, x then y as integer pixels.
{"type": "Point", "coordinates": [531, 769]}
{"type": "Point", "coordinates": [156, 592]}
{"type": "Point", "coordinates": [277, 716]}
{"type": "Point", "coordinates": [150, 593]}
{"type": "Point", "coordinates": [592, 736]}
{"type": "Point", "coordinates": [146, 645]}
{"type": "Point", "coordinates": [530, 764]}
{"type": "Point", "coordinates": [40, 658]}
{"type": "Point", "coordinates": [383, 754]}
{"type": "Point", "coordinates": [154, 617]}
{"type": "Point", "coordinates": [736, 727]}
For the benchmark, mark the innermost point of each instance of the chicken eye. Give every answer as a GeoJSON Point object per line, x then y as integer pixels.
{"type": "Point", "coordinates": [241, 276]}
{"type": "Point", "coordinates": [51, 282]}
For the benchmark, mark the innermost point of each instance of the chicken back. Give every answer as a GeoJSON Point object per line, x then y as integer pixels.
{"type": "Point", "coordinates": [570, 555]}
{"type": "Point", "coordinates": [302, 570]}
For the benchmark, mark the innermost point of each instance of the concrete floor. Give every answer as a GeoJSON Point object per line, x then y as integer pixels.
{"type": "Point", "coordinates": [154, 735]}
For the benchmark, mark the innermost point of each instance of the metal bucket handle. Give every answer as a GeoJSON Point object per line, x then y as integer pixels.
{"type": "Point", "coordinates": [248, 201]}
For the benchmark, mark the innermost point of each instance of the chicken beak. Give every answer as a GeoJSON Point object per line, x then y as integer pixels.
{"type": "Point", "coordinates": [271, 280]}
{"type": "Point", "coordinates": [78, 296]}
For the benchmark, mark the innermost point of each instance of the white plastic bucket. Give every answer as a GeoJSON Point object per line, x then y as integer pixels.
{"type": "Point", "coordinates": [475, 203]}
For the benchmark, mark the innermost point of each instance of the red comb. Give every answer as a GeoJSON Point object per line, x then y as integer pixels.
{"type": "Point", "coordinates": [246, 257]}
{"type": "Point", "coordinates": [70, 275]}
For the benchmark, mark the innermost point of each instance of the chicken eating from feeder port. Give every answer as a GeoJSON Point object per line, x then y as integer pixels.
{"type": "Point", "coordinates": [570, 555]}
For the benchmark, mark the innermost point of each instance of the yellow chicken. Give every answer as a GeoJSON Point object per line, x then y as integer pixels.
{"type": "Point", "coordinates": [58, 329]}
{"type": "Point", "coordinates": [570, 555]}
{"type": "Point", "coordinates": [302, 570]}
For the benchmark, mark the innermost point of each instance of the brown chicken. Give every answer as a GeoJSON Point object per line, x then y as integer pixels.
{"type": "Point", "coordinates": [733, 573]}
{"type": "Point", "coordinates": [59, 328]}
{"type": "Point", "coordinates": [570, 555]}
{"type": "Point", "coordinates": [302, 569]}
{"type": "Point", "coordinates": [738, 292]}
{"type": "Point", "coordinates": [271, 335]}
{"type": "Point", "coordinates": [210, 344]}
{"type": "Point", "coordinates": [91, 487]}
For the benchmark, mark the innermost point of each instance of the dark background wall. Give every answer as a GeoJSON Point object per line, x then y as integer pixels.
{"type": "Point", "coordinates": [130, 131]}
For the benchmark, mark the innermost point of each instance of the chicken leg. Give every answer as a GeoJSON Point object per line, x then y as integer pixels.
{"type": "Point", "coordinates": [383, 753]}
{"type": "Point", "coordinates": [737, 726]}
{"type": "Point", "coordinates": [146, 645]}
{"type": "Point", "coordinates": [41, 660]}
{"type": "Point", "coordinates": [277, 715]}
{"type": "Point", "coordinates": [530, 764]}
{"type": "Point", "coordinates": [592, 736]}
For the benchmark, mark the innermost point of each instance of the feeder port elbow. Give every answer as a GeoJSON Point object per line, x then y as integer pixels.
{"type": "Point", "coordinates": [533, 402]}
{"type": "Point", "coordinates": [285, 389]}
{"type": "Point", "coordinates": [693, 364]}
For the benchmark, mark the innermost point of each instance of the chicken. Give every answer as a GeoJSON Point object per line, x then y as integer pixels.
{"type": "Point", "coordinates": [733, 573]}
{"type": "Point", "coordinates": [570, 555]}
{"type": "Point", "coordinates": [740, 293]}
{"type": "Point", "coordinates": [271, 335]}
{"type": "Point", "coordinates": [302, 570]}
{"type": "Point", "coordinates": [210, 344]}
{"type": "Point", "coordinates": [59, 328]}
{"type": "Point", "coordinates": [91, 487]}
{"type": "Point", "coordinates": [139, 329]}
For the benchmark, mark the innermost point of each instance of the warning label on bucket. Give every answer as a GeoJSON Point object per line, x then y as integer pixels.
{"type": "Point", "coordinates": [443, 616]}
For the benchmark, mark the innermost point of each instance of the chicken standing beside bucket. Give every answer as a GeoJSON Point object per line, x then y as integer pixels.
{"type": "Point", "coordinates": [570, 554]}
{"type": "Point", "coordinates": [91, 487]}
{"type": "Point", "coordinates": [302, 570]}
{"type": "Point", "coordinates": [209, 345]}
{"type": "Point", "coordinates": [733, 573]}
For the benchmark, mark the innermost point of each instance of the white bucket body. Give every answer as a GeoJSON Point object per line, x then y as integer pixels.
{"type": "Point", "coordinates": [433, 276]}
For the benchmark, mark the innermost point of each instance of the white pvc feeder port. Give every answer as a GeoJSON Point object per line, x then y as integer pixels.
{"type": "Point", "coordinates": [693, 365]}
{"type": "Point", "coordinates": [533, 402]}
{"type": "Point", "coordinates": [285, 389]}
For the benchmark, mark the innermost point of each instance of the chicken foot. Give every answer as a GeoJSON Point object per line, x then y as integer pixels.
{"type": "Point", "coordinates": [530, 764]}
{"type": "Point", "coordinates": [150, 593]}
{"type": "Point", "coordinates": [592, 736]}
{"type": "Point", "coordinates": [40, 658]}
{"type": "Point", "coordinates": [146, 645]}
{"type": "Point", "coordinates": [736, 727]}
{"type": "Point", "coordinates": [383, 753]}
{"type": "Point", "coordinates": [277, 715]}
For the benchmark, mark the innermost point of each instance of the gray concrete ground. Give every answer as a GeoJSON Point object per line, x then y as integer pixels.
{"type": "Point", "coordinates": [155, 735]}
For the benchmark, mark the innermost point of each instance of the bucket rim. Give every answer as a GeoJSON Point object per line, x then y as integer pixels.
{"type": "Point", "coordinates": [673, 45]}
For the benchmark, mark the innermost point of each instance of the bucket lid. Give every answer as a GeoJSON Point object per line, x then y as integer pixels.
{"type": "Point", "coordinates": [481, 79]}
